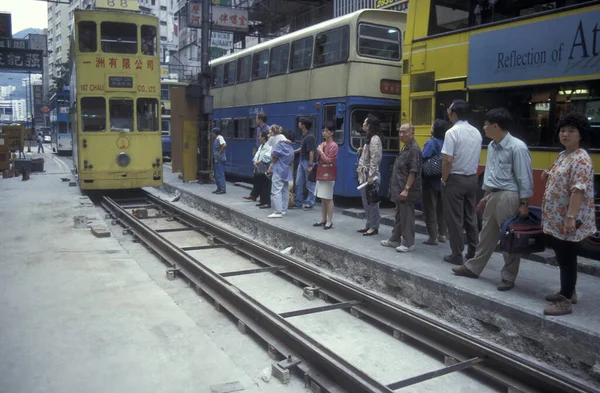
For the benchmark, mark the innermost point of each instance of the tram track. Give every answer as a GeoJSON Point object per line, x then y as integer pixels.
{"type": "Point", "coordinates": [324, 369]}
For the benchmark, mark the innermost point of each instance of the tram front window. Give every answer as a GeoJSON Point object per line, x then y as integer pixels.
{"type": "Point", "coordinates": [87, 36]}
{"type": "Point", "coordinates": [93, 114]}
{"type": "Point", "coordinates": [147, 114]}
{"type": "Point", "coordinates": [121, 114]}
{"type": "Point", "coordinates": [118, 37]}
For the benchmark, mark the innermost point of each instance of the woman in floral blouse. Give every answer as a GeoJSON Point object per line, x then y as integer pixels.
{"type": "Point", "coordinates": [327, 152]}
{"type": "Point", "coordinates": [368, 172]}
{"type": "Point", "coordinates": [568, 207]}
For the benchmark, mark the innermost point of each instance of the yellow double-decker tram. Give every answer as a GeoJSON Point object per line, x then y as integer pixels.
{"type": "Point", "coordinates": [537, 58]}
{"type": "Point", "coordinates": [115, 97]}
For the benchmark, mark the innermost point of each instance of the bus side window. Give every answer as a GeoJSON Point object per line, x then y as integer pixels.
{"type": "Point", "coordinates": [149, 40]}
{"type": "Point", "coordinates": [87, 37]}
{"type": "Point", "coordinates": [332, 114]}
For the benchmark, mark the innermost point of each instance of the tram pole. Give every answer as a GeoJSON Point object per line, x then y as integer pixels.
{"type": "Point", "coordinates": [206, 102]}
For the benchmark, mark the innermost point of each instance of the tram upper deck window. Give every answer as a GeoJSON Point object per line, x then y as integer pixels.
{"type": "Point", "coordinates": [381, 42]}
{"type": "Point", "coordinates": [449, 15]}
{"type": "Point", "coordinates": [118, 37]}
{"type": "Point", "coordinates": [301, 54]}
{"type": "Point", "coordinates": [93, 114]}
{"type": "Point", "coordinates": [147, 114]}
{"type": "Point", "coordinates": [87, 37]}
{"type": "Point", "coordinates": [149, 40]}
{"type": "Point", "coordinates": [332, 46]}
{"type": "Point", "coordinates": [121, 114]}
{"type": "Point", "coordinates": [260, 64]}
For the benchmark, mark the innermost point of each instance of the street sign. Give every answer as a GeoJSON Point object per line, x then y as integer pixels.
{"type": "Point", "coordinates": [223, 18]}
{"type": "Point", "coordinates": [45, 109]}
{"type": "Point", "coordinates": [21, 60]}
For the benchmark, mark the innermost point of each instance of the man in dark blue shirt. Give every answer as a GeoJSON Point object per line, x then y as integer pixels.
{"type": "Point", "coordinates": [305, 166]}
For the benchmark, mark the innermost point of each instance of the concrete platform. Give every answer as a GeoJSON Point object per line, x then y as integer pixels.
{"type": "Point", "coordinates": [79, 314]}
{"type": "Point", "coordinates": [421, 280]}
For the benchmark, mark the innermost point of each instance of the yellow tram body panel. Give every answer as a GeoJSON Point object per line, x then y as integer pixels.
{"type": "Point", "coordinates": [115, 100]}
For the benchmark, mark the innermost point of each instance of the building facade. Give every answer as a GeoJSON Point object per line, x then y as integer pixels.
{"type": "Point", "coordinates": [12, 110]}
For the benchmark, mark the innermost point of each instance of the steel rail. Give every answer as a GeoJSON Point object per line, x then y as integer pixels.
{"type": "Point", "coordinates": [345, 374]}
{"type": "Point", "coordinates": [500, 366]}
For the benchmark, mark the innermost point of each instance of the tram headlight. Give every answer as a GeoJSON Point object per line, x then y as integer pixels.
{"type": "Point", "coordinates": [123, 159]}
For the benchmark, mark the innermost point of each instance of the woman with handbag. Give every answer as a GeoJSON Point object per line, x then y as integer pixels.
{"type": "Point", "coordinates": [262, 160]}
{"type": "Point", "coordinates": [368, 172]}
{"type": "Point", "coordinates": [327, 152]}
{"type": "Point", "coordinates": [568, 214]}
{"type": "Point", "coordinates": [433, 211]}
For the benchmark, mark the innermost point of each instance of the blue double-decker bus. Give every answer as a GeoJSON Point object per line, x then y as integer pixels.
{"type": "Point", "coordinates": [60, 122]}
{"type": "Point", "coordinates": [339, 70]}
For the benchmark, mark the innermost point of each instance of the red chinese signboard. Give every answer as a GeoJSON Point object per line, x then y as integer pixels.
{"type": "Point", "coordinates": [125, 63]}
{"type": "Point", "coordinates": [388, 86]}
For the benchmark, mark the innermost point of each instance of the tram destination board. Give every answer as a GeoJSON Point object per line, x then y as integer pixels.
{"type": "Point", "coordinates": [122, 82]}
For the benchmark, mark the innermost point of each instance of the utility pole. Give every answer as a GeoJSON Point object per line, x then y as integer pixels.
{"type": "Point", "coordinates": [206, 101]}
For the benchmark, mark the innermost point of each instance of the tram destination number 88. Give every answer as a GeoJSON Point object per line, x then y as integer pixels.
{"type": "Point", "coordinates": [123, 82]}
{"type": "Point", "coordinates": [112, 3]}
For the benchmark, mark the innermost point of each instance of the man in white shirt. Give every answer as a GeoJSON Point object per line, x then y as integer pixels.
{"type": "Point", "coordinates": [462, 148]}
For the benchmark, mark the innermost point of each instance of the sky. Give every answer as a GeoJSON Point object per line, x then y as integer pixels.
{"type": "Point", "coordinates": [26, 13]}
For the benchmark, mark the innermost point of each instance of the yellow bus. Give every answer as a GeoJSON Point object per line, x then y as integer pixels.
{"type": "Point", "coordinates": [537, 58]}
{"type": "Point", "coordinates": [115, 96]}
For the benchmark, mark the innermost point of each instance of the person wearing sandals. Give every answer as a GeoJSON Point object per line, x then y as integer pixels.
{"type": "Point", "coordinates": [433, 211]}
{"type": "Point", "coordinates": [327, 153]}
{"type": "Point", "coordinates": [262, 160]}
{"type": "Point", "coordinates": [568, 214]}
{"type": "Point", "coordinates": [368, 171]}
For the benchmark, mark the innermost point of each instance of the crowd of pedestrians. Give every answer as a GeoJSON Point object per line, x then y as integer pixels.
{"type": "Point", "coordinates": [444, 177]}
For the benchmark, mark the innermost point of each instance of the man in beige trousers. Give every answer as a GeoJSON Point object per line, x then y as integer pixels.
{"type": "Point", "coordinates": [508, 184]}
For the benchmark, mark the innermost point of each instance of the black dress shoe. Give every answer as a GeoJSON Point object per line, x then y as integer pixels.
{"type": "Point", "coordinates": [363, 230]}
{"type": "Point", "coordinates": [328, 226]}
{"type": "Point", "coordinates": [375, 232]}
{"type": "Point", "coordinates": [215, 191]}
{"type": "Point", "coordinates": [258, 204]}
{"type": "Point", "coordinates": [319, 224]}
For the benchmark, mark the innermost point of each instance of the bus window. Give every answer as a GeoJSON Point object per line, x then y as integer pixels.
{"type": "Point", "coordinates": [121, 114]}
{"type": "Point", "coordinates": [149, 40]}
{"type": "Point", "coordinates": [388, 121]}
{"type": "Point", "coordinates": [217, 75]}
{"type": "Point", "coordinates": [164, 93]}
{"type": "Point", "coordinates": [239, 128]}
{"type": "Point", "coordinates": [87, 37]}
{"type": "Point", "coordinates": [147, 114]}
{"type": "Point", "coordinates": [93, 114]}
{"type": "Point", "coordinates": [301, 54]}
{"type": "Point", "coordinates": [381, 42]}
{"type": "Point", "coordinates": [330, 113]}
{"type": "Point", "coordinates": [260, 61]}
{"type": "Point", "coordinates": [252, 128]}
{"type": "Point", "coordinates": [279, 60]}
{"type": "Point", "coordinates": [314, 129]}
{"type": "Point", "coordinates": [166, 127]}
{"type": "Point", "coordinates": [243, 69]}
{"type": "Point", "coordinates": [332, 46]}
{"type": "Point", "coordinates": [229, 73]}
{"type": "Point", "coordinates": [227, 128]}
{"type": "Point", "coordinates": [118, 37]}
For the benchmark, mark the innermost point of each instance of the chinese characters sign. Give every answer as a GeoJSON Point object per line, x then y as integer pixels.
{"type": "Point", "coordinates": [223, 18]}
{"type": "Point", "coordinates": [388, 86]}
{"type": "Point", "coordinates": [21, 60]}
{"type": "Point", "coordinates": [396, 5]}
{"type": "Point", "coordinates": [14, 134]}
{"type": "Point", "coordinates": [125, 63]}
{"type": "Point", "coordinates": [5, 25]}
{"type": "Point", "coordinates": [229, 19]}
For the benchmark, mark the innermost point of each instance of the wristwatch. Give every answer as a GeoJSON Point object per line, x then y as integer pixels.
{"type": "Point", "coordinates": [443, 182]}
{"type": "Point", "coordinates": [571, 216]}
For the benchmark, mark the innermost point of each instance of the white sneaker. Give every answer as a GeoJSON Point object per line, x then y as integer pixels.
{"type": "Point", "coordinates": [405, 249]}
{"type": "Point", "coordinates": [283, 213]}
{"type": "Point", "coordinates": [275, 215]}
{"type": "Point", "coordinates": [387, 243]}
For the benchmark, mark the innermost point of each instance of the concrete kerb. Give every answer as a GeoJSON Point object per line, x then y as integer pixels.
{"type": "Point", "coordinates": [571, 350]}
{"type": "Point", "coordinates": [584, 265]}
